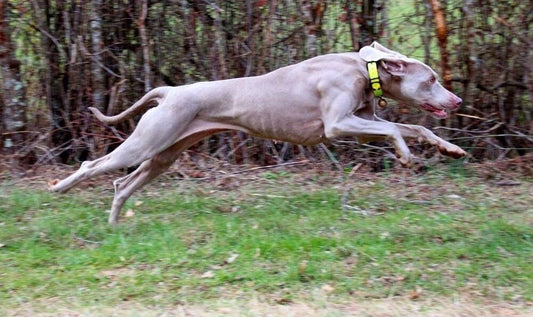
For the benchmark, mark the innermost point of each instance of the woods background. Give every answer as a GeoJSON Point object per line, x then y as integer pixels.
{"type": "Point", "coordinates": [59, 57]}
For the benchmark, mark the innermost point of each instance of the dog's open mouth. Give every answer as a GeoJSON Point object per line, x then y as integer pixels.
{"type": "Point", "coordinates": [436, 112]}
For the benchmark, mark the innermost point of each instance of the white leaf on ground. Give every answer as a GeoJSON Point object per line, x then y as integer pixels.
{"type": "Point", "coordinates": [232, 258]}
{"type": "Point", "coordinates": [454, 196]}
{"type": "Point", "coordinates": [327, 288]}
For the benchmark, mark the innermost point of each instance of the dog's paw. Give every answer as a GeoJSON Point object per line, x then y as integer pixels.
{"type": "Point", "coordinates": [52, 184]}
{"type": "Point", "coordinates": [451, 150]}
{"type": "Point", "coordinates": [405, 161]}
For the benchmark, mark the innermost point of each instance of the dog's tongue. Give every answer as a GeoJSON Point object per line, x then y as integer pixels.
{"type": "Point", "coordinates": [440, 113]}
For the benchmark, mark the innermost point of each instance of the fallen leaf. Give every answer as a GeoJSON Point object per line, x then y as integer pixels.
{"type": "Point", "coordinates": [327, 288]}
{"type": "Point", "coordinates": [393, 279]}
{"type": "Point", "coordinates": [454, 196]}
{"type": "Point", "coordinates": [2, 245]}
{"type": "Point", "coordinates": [302, 267]}
{"type": "Point", "coordinates": [504, 252]}
{"type": "Point", "coordinates": [416, 293]}
{"type": "Point", "coordinates": [129, 213]}
{"type": "Point", "coordinates": [138, 203]}
{"type": "Point", "coordinates": [208, 274]}
{"type": "Point", "coordinates": [115, 274]}
{"type": "Point", "coordinates": [232, 258]}
{"type": "Point", "coordinates": [282, 300]}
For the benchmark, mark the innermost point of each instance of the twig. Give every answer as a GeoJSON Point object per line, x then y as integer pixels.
{"type": "Point", "coordinates": [91, 56]}
{"type": "Point", "coordinates": [496, 126]}
{"type": "Point", "coordinates": [492, 136]}
{"type": "Point", "coordinates": [252, 169]}
{"type": "Point", "coordinates": [359, 210]}
{"type": "Point", "coordinates": [530, 139]}
{"type": "Point", "coordinates": [354, 169]}
{"type": "Point", "coordinates": [470, 116]}
{"type": "Point", "coordinates": [331, 156]}
{"type": "Point", "coordinates": [389, 153]}
{"type": "Point", "coordinates": [87, 241]}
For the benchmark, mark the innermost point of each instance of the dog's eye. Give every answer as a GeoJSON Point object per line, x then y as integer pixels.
{"type": "Point", "coordinates": [432, 80]}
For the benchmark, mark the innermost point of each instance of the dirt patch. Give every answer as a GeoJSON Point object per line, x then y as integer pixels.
{"type": "Point", "coordinates": [226, 175]}
{"type": "Point", "coordinates": [318, 306]}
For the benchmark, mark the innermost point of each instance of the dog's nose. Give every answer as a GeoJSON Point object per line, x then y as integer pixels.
{"type": "Point", "coordinates": [457, 102]}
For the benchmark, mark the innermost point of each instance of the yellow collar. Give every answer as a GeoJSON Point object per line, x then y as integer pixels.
{"type": "Point", "coordinates": [375, 82]}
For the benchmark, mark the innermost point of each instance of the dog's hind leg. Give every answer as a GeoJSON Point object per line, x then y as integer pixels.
{"type": "Point", "coordinates": [150, 169]}
{"type": "Point", "coordinates": [157, 130]}
{"type": "Point", "coordinates": [125, 186]}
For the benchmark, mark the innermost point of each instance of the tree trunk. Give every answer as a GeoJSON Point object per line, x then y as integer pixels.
{"type": "Point", "coordinates": [427, 34]}
{"type": "Point", "coordinates": [312, 12]}
{"type": "Point", "coordinates": [55, 77]}
{"type": "Point", "coordinates": [442, 37]}
{"type": "Point", "coordinates": [12, 104]}
{"type": "Point", "coordinates": [367, 27]}
{"type": "Point", "coordinates": [144, 43]}
{"type": "Point", "coordinates": [97, 43]}
{"type": "Point", "coordinates": [351, 19]}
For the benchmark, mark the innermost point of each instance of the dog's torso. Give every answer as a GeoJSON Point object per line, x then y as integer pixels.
{"type": "Point", "coordinates": [279, 105]}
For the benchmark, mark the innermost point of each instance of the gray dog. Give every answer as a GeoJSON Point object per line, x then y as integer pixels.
{"type": "Point", "coordinates": [307, 103]}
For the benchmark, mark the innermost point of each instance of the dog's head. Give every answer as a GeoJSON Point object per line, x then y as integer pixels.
{"type": "Point", "coordinates": [411, 81]}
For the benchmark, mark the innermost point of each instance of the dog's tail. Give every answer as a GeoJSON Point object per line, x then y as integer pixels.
{"type": "Point", "coordinates": [156, 94]}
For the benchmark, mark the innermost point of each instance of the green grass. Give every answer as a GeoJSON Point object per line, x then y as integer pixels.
{"type": "Point", "coordinates": [445, 233]}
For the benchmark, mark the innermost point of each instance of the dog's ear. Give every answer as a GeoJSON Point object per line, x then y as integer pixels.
{"type": "Point", "coordinates": [396, 67]}
{"type": "Point", "coordinates": [370, 54]}
{"type": "Point", "coordinates": [376, 52]}
{"type": "Point", "coordinates": [382, 48]}
{"type": "Point", "coordinates": [392, 62]}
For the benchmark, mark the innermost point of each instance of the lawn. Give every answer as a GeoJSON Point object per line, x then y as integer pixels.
{"type": "Point", "coordinates": [278, 238]}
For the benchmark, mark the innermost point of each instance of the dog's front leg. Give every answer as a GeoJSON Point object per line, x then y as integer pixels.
{"type": "Point", "coordinates": [339, 120]}
{"type": "Point", "coordinates": [425, 135]}
{"type": "Point", "coordinates": [358, 127]}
